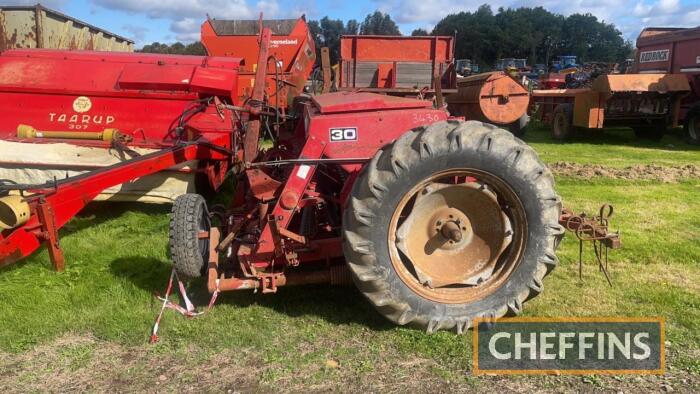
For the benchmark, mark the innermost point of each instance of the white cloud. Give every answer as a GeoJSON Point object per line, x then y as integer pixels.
{"type": "Point", "coordinates": [667, 6]}
{"type": "Point", "coordinates": [136, 32]}
{"type": "Point", "coordinates": [642, 9]}
{"type": "Point", "coordinates": [186, 16]}
{"type": "Point", "coordinates": [186, 29]}
{"type": "Point", "coordinates": [180, 9]}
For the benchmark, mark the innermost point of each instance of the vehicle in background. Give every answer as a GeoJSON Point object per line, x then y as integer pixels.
{"type": "Point", "coordinates": [463, 67]}
{"type": "Point", "coordinates": [648, 103]}
{"type": "Point", "coordinates": [674, 50]}
{"type": "Point", "coordinates": [515, 67]}
{"type": "Point", "coordinates": [564, 64]}
{"type": "Point", "coordinates": [397, 65]}
{"type": "Point", "coordinates": [493, 97]}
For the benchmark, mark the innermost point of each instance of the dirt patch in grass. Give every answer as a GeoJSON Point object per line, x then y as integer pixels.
{"type": "Point", "coordinates": [80, 363]}
{"type": "Point", "coordinates": [666, 174]}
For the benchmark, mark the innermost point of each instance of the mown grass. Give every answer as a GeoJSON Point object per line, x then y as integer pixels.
{"type": "Point", "coordinates": [116, 259]}
{"type": "Point", "coordinates": [615, 148]}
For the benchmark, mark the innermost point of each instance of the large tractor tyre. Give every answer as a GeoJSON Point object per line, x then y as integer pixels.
{"type": "Point", "coordinates": [691, 126]}
{"type": "Point", "coordinates": [519, 127]}
{"type": "Point", "coordinates": [563, 122]}
{"type": "Point", "coordinates": [652, 132]}
{"type": "Point", "coordinates": [452, 221]}
{"type": "Point", "coordinates": [189, 252]}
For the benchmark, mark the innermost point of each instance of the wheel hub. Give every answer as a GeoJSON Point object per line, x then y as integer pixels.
{"type": "Point", "coordinates": [454, 234]}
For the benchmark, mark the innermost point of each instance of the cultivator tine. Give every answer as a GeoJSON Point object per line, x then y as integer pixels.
{"type": "Point", "coordinates": [595, 229]}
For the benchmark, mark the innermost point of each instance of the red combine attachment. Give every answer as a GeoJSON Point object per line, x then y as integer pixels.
{"type": "Point", "coordinates": [437, 220]}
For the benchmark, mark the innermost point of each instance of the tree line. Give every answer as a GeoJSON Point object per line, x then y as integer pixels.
{"type": "Point", "coordinates": [532, 33]}
{"type": "Point", "coordinates": [482, 36]}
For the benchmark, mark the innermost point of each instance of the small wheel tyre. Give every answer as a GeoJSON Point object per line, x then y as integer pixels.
{"type": "Point", "coordinates": [450, 222]}
{"type": "Point", "coordinates": [519, 127]}
{"type": "Point", "coordinates": [189, 252]}
{"type": "Point", "coordinates": [691, 126]}
{"type": "Point", "coordinates": [563, 122]}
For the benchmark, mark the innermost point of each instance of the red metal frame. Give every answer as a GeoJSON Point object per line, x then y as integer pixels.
{"type": "Point", "coordinates": [284, 212]}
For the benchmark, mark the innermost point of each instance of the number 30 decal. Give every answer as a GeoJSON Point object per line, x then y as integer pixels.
{"type": "Point", "coordinates": [344, 134]}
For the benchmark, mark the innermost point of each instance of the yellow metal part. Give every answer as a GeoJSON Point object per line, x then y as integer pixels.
{"type": "Point", "coordinates": [589, 110]}
{"type": "Point", "coordinates": [26, 131]}
{"type": "Point", "coordinates": [14, 212]}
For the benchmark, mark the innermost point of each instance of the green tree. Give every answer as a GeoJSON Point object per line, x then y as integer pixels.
{"type": "Point", "coordinates": [479, 37]}
{"type": "Point", "coordinates": [178, 48]}
{"type": "Point", "coordinates": [532, 33]}
{"type": "Point", "coordinates": [327, 33]}
{"type": "Point", "coordinates": [420, 32]}
{"type": "Point", "coordinates": [379, 23]}
{"type": "Point", "coordinates": [352, 27]}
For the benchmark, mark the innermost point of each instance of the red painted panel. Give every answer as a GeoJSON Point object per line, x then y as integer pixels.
{"type": "Point", "coordinates": [140, 94]}
{"type": "Point", "coordinates": [148, 77]}
{"type": "Point", "coordinates": [219, 82]}
{"type": "Point", "coordinates": [374, 129]}
{"type": "Point", "coordinates": [396, 48]}
{"type": "Point", "coordinates": [151, 118]}
{"type": "Point", "coordinates": [351, 102]}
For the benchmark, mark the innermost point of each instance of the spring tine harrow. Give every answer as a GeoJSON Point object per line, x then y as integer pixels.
{"type": "Point", "coordinates": [596, 230]}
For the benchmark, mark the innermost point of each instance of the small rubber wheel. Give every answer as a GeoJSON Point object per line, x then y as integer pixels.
{"type": "Point", "coordinates": [652, 132]}
{"type": "Point", "coordinates": [452, 221]}
{"type": "Point", "coordinates": [189, 249]}
{"type": "Point", "coordinates": [563, 122]}
{"type": "Point", "coordinates": [691, 126]}
{"type": "Point", "coordinates": [519, 127]}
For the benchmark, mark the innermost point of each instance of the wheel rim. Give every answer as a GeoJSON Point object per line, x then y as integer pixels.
{"type": "Point", "coordinates": [457, 236]}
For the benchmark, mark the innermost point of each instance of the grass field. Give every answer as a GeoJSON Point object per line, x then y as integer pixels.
{"type": "Point", "coordinates": [87, 329]}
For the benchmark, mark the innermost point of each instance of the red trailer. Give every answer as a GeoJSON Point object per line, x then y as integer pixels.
{"type": "Point", "coordinates": [397, 65]}
{"type": "Point", "coordinates": [674, 50]}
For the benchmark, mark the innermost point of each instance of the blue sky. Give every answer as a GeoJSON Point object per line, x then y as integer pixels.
{"type": "Point", "coordinates": [146, 21]}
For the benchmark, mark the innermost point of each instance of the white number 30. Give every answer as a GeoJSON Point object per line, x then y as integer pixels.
{"type": "Point", "coordinates": [344, 134]}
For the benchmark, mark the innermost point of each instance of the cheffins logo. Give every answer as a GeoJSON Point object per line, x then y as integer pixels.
{"type": "Point", "coordinates": [569, 346]}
